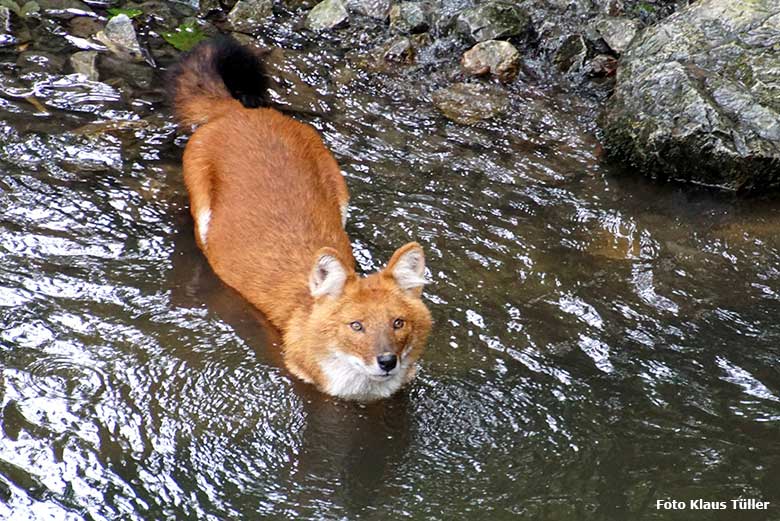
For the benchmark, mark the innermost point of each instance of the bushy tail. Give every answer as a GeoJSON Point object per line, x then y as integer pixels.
{"type": "Point", "coordinates": [214, 72]}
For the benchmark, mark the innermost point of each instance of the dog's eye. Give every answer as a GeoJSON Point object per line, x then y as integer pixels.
{"type": "Point", "coordinates": [356, 326]}
{"type": "Point", "coordinates": [398, 323]}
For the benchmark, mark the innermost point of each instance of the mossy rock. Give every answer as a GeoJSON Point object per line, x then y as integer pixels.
{"type": "Point", "coordinates": [696, 97]}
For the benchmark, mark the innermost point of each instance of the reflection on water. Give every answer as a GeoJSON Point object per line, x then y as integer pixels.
{"type": "Point", "coordinates": [600, 342]}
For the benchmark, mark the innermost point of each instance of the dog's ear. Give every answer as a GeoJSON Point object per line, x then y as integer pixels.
{"type": "Point", "coordinates": [407, 268]}
{"type": "Point", "coordinates": [328, 275]}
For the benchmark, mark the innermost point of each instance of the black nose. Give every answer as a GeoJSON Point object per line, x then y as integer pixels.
{"type": "Point", "coordinates": [387, 361]}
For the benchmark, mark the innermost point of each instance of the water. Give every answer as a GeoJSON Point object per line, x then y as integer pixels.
{"type": "Point", "coordinates": [600, 343]}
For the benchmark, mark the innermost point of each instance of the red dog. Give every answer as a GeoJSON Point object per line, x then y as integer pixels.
{"type": "Point", "coordinates": [269, 204]}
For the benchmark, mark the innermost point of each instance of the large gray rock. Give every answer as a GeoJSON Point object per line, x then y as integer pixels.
{"type": "Point", "coordinates": [493, 20]}
{"type": "Point", "coordinates": [328, 14]}
{"type": "Point", "coordinates": [698, 96]}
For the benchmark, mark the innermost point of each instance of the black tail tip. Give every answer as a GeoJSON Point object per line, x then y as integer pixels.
{"type": "Point", "coordinates": [242, 71]}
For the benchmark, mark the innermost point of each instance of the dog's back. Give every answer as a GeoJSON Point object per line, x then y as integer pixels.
{"type": "Point", "coordinates": [265, 192]}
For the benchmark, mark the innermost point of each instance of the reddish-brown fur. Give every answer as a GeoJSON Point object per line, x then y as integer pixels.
{"type": "Point", "coordinates": [275, 196]}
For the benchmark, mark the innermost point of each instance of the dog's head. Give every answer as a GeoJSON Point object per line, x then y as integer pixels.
{"type": "Point", "coordinates": [364, 334]}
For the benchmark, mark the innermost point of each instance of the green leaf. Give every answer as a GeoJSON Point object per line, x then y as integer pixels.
{"type": "Point", "coordinates": [647, 7]}
{"type": "Point", "coordinates": [127, 11]}
{"type": "Point", "coordinates": [184, 37]}
{"type": "Point", "coordinates": [13, 6]}
{"type": "Point", "coordinates": [30, 8]}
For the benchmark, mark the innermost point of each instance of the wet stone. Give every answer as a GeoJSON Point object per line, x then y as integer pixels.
{"type": "Point", "coordinates": [328, 14]}
{"type": "Point", "coordinates": [495, 57]}
{"type": "Point", "coordinates": [617, 32]}
{"type": "Point", "coordinates": [399, 50]}
{"type": "Point", "coordinates": [601, 65]}
{"type": "Point", "coordinates": [304, 5]}
{"type": "Point", "coordinates": [579, 7]}
{"type": "Point", "coordinates": [160, 13]}
{"type": "Point", "coordinates": [84, 26]}
{"type": "Point", "coordinates": [64, 9]}
{"type": "Point", "coordinates": [120, 38]}
{"type": "Point", "coordinates": [85, 63]}
{"type": "Point", "coordinates": [468, 103]}
{"type": "Point", "coordinates": [446, 14]}
{"type": "Point", "coordinates": [245, 39]}
{"type": "Point", "coordinates": [410, 17]}
{"type": "Point", "coordinates": [493, 20]}
{"type": "Point", "coordinates": [378, 9]}
{"type": "Point", "coordinates": [135, 75]}
{"type": "Point", "coordinates": [610, 7]}
{"type": "Point", "coordinates": [571, 55]}
{"type": "Point", "coordinates": [247, 15]}
{"type": "Point", "coordinates": [649, 12]}
{"type": "Point", "coordinates": [208, 6]}
{"type": "Point", "coordinates": [38, 61]}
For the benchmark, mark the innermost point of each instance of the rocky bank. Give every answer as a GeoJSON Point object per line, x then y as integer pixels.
{"type": "Point", "coordinates": [700, 83]}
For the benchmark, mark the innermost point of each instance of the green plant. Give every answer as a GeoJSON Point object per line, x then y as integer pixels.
{"type": "Point", "coordinates": [646, 7]}
{"type": "Point", "coordinates": [127, 11]}
{"type": "Point", "coordinates": [22, 11]}
{"type": "Point", "coordinates": [184, 37]}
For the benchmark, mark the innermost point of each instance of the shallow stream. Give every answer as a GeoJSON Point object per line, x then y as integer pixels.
{"type": "Point", "coordinates": [601, 342]}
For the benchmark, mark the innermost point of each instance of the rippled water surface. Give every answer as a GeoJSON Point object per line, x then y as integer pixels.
{"type": "Point", "coordinates": [600, 342]}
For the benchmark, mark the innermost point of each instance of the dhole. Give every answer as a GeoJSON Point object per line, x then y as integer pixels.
{"type": "Point", "coordinates": [269, 204]}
